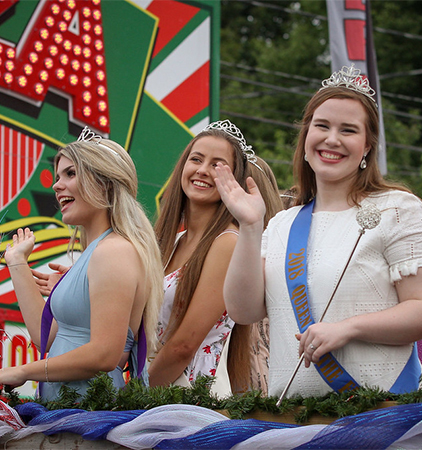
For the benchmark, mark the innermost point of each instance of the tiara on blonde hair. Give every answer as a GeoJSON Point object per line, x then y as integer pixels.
{"type": "Point", "coordinates": [88, 135]}
{"type": "Point", "coordinates": [232, 130]}
{"type": "Point", "coordinates": [350, 78]}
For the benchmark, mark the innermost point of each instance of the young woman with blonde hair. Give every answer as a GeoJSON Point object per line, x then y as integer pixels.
{"type": "Point", "coordinates": [92, 321]}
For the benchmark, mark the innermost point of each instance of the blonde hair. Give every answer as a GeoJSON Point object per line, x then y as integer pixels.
{"type": "Point", "coordinates": [368, 180]}
{"type": "Point", "coordinates": [109, 180]}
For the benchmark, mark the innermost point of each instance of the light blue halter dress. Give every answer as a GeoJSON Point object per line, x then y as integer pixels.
{"type": "Point", "coordinates": [70, 305]}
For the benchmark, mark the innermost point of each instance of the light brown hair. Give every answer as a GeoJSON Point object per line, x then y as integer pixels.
{"type": "Point", "coordinates": [368, 180]}
{"type": "Point", "coordinates": [239, 352]}
{"type": "Point", "coordinates": [170, 222]}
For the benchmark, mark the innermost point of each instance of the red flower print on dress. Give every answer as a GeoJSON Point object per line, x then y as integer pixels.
{"type": "Point", "coordinates": [170, 276]}
{"type": "Point", "coordinates": [221, 320]}
{"type": "Point", "coordinates": [225, 336]}
{"type": "Point", "coordinates": [212, 372]}
{"type": "Point", "coordinates": [207, 349]}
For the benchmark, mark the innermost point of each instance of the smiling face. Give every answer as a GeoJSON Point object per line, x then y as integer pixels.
{"type": "Point", "coordinates": [74, 209]}
{"type": "Point", "coordinates": [199, 170]}
{"type": "Point", "coordinates": [336, 141]}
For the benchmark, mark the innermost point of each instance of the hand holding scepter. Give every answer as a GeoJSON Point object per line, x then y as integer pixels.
{"type": "Point", "coordinates": [368, 217]}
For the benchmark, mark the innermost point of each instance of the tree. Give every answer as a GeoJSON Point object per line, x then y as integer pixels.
{"type": "Point", "coordinates": [274, 55]}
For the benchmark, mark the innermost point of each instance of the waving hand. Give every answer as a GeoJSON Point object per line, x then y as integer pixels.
{"type": "Point", "coordinates": [246, 208]}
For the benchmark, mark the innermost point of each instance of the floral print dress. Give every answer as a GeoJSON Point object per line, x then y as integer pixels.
{"type": "Point", "coordinates": [207, 357]}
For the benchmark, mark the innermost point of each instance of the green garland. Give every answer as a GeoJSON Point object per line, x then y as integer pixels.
{"type": "Point", "coordinates": [102, 395]}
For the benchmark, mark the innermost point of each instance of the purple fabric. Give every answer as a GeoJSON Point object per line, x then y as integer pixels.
{"type": "Point", "coordinates": [47, 319]}
{"type": "Point", "coordinates": [419, 344]}
{"type": "Point", "coordinates": [378, 429]}
{"type": "Point", "coordinates": [91, 425]}
{"type": "Point", "coordinates": [142, 348]}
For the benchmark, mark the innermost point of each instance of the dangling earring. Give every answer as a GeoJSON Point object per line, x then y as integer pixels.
{"type": "Point", "coordinates": [305, 157]}
{"type": "Point", "coordinates": [363, 162]}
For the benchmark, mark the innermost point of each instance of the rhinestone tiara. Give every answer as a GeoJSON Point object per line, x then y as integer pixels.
{"type": "Point", "coordinates": [232, 130]}
{"type": "Point", "coordinates": [88, 135]}
{"type": "Point", "coordinates": [350, 78]}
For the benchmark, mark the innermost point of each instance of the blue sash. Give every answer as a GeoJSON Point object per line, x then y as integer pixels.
{"type": "Point", "coordinates": [328, 367]}
{"type": "Point", "coordinates": [408, 380]}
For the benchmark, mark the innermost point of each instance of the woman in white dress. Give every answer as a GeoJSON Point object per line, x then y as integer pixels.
{"type": "Point", "coordinates": [367, 337]}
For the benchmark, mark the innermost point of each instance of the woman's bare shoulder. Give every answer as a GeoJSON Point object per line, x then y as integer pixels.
{"type": "Point", "coordinates": [115, 248]}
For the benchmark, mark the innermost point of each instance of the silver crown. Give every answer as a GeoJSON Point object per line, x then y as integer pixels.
{"type": "Point", "coordinates": [350, 78]}
{"type": "Point", "coordinates": [88, 135]}
{"type": "Point", "coordinates": [232, 130]}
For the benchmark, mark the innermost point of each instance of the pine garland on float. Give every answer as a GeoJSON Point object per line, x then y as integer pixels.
{"type": "Point", "coordinates": [103, 396]}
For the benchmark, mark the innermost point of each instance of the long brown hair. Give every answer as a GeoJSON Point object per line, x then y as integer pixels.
{"type": "Point", "coordinates": [268, 187]}
{"type": "Point", "coordinates": [239, 359]}
{"type": "Point", "coordinates": [169, 224]}
{"type": "Point", "coordinates": [368, 180]}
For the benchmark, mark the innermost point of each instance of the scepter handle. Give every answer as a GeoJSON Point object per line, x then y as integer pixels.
{"type": "Point", "coordinates": [292, 377]}
{"type": "Point", "coordinates": [283, 394]}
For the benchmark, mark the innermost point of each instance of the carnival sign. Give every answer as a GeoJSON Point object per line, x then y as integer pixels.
{"type": "Point", "coordinates": [143, 73]}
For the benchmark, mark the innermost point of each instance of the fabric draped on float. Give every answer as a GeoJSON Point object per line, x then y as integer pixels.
{"type": "Point", "coordinates": [194, 427]}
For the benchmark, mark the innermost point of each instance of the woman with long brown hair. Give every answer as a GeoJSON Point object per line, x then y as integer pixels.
{"type": "Point", "coordinates": [197, 235]}
{"type": "Point", "coordinates": [301, 262]}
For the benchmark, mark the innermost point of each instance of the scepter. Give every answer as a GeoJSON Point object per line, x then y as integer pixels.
{"type": "Point", "coordinates": [368, 217]}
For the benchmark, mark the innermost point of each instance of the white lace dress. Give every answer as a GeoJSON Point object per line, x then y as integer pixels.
{"type": "Point", "coordinates": [386, 253]}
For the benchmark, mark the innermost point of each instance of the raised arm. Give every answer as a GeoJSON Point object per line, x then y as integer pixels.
{"type": "Point", "coordinates": [244, 285]}
{"type": "Point", "coordinates": [31, 302]}
{"type": "Point", "coordinates": [205, 309]}
{"type": "Point", "coordinates": [117, 288]}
